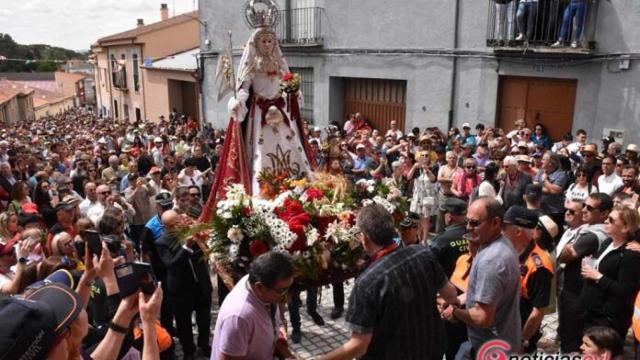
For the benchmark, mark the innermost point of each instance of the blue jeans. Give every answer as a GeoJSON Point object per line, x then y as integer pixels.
{"type": "Point", "coordinates": [578, 10]}
{"type": "Point", "coordinates": [530, 10]}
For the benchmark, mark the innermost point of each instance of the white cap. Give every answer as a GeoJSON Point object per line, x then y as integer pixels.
{"type": "Point", "coordinates": [157, 139]}
{"type": "Point", "coordinates": [102, 140]}
{"type": "Point", "coordinates": [317, 128]}
{"type": "Point", "coordinates": [360, 146]}
{"type": "Point", "coordinates": [466, 125]}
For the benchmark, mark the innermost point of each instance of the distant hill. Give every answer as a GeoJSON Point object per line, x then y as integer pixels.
{"type": "Point", "coordinates": [12, 50]}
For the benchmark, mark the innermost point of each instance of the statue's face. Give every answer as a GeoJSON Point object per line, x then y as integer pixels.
{"type": "Point", "coordinates": [266, 44]}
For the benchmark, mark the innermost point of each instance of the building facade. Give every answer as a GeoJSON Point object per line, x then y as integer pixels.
{"type": "Point", "coordinates": [445, 62]}
{"type": "Point", "coordinates": [172, 83]}
{"type": "Point", "coordinates": [119, 78]}
{"type": "Point", "coordinates": [16, 103]}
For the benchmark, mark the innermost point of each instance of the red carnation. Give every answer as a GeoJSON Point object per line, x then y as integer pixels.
{"type": "Point", "coordinates": [257, 247]}
{"type": "Point", "coordinates": [314, 194]}
{"type": "Point", "coordinates": [287, 76]}
{"type": "Point", "coordinates": [246, 212]}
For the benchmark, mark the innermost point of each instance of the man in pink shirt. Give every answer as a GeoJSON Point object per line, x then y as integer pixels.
{"type": "Point", "coordinates": [248, 324]}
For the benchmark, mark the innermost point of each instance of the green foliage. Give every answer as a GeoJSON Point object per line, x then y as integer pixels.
{"type": "Point", "coordinates": [12, 50]}
{"type": "Point", "coordinates": [46, 66]}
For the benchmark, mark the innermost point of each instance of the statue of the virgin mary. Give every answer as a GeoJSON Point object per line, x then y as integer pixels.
{"type": "Point", "coordinates": [265, 137]}
{"type": "Point", "coordinates": [274, 142]}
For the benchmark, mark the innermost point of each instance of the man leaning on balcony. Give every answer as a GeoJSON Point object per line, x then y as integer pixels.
{"type": "Point", "coordinates": [576, 9]}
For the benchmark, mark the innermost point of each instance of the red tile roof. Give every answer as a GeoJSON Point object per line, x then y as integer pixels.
{"type": "Point", "coordinates": [135, 32]}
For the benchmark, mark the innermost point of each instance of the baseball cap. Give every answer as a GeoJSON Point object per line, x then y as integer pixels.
{"type": "Point", "coordinates": [158, 139]}
{"type": "Point", "coordinates": [154, 170]}
{"type": "Point", "coordinates": [163, 199]}
{"type": "Point", "coordinates": [466, 125]}
{"type": "Point", "coordinates": [32, 325]}
{"type": "Point", "coordinates": [454, 206]}
{"type": "Point", "coordinates": [521, 216]}
{"type": "Point", "coordinates": [411, 220]}
{"type": "Point", "coordinates": [60, 276]}
{"type": "Point", "coordinates": [29, 208]}
{"type": "Point", "coordinates": [360, 146]}
{"type": "Point", "coordinates": [69, 202]}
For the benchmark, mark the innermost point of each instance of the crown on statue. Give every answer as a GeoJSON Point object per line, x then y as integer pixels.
{"type": "Point", "coordinates": [261, 13]}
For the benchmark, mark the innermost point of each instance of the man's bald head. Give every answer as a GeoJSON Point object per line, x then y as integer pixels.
{"type": "Point", "coordinates": [170, 218]}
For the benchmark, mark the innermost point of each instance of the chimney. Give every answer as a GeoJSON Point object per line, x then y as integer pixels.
{"type": "Point", "coordinates": [140, 22]}
{"type": "Point", "coordinates": [164, 12]}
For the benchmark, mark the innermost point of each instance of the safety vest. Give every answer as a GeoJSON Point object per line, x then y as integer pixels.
{"type": "Point", "coordinates": [458, 278]}
{"type": "Point", "coordinates": [635, 320]}
{"type": "Point", "coordinates": [538, 258]}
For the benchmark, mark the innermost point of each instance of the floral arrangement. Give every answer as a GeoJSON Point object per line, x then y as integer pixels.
{"type": "Point", "coordinates": [290, 82]}
{"type": "Point", "coordinates": [312, 220]}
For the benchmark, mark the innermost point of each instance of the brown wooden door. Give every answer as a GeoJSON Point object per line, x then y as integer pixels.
{"type": "Point", "coordinates": [537, 100]}
{"type": "Point", "coordinates": [379, 101]}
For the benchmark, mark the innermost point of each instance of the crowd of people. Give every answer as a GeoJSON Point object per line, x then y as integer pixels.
{"type": "Point", "coordinates": [505, 226]}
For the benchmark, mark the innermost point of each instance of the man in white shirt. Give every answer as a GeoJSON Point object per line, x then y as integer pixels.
{"type": "Point", "coordinates": [609, 182]}
{"type": "Point", "coordinates": [91, 198]}
{"type": "Point", "coordinates": [394, 131]}
{"type": "Point", "coordinates": [581, 140]}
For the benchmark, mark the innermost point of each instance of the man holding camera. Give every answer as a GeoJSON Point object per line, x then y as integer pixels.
{"type": "Point", "coordinates": [188, 285]}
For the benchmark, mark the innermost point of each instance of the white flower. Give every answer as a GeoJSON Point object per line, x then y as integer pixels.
{"type": "Point", "coordinates": [235, 234]}
{"type": "Point", "coordinates": [233, 251]}
{"type": "Point", "coordinates": [312, 236]}
{"type": "Point", "coordinates": [371, 188]}
{"type": "Point", "coordinates": [226, 215]}
{"type": "Point", "coordinates": [367, 202]}
{"type": "Point", "coordinates": [386, 204]}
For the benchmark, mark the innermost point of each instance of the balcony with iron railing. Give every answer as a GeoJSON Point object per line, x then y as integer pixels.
{"type": "Point", "coordinates": [562, 27]}
{"type": "Point", "coordinates": [300, 27]}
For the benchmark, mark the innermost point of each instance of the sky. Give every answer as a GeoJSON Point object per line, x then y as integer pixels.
{"type": "Point", "coordinates": [76, 24]}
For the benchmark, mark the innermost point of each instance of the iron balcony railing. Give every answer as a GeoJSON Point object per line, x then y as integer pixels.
{"type": "Point", "coordinates": [561, 24]}
{"type": "Point", "coordinates": [301, 27]}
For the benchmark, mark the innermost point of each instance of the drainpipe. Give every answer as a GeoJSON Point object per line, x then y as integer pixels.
{"type": "Point", "coordinates": [454, 67]}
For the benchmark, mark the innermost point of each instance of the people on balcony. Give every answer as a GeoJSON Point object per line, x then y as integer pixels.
{"type": "Point", "coordinates": [504, 20]}
{"type": "Point", "coordinates": [576, 9]}
{"type": "Point", "coordinates": [528, 9]}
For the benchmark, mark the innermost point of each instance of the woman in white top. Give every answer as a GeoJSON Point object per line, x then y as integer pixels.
{"type": "Point", "coordinates": [490, 186]}
{"type": "Point", "coordinates": [423, 201]}
{"type": "Point", "coordinates": [581, 188]}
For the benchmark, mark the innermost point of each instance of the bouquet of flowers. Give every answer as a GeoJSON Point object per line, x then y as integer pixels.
{"type": "Point", "coordinates": [290, 82]}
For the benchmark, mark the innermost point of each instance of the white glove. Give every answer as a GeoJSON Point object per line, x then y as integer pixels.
{"type": "Point", "coordinates": [236, 106]}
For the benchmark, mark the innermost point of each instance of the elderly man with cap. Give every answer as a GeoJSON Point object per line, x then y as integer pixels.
{"type": "Point", "coordinates": [449, 245]}
{"type": "Point", "coordinates": [360, 162]}
{"type": "Point", "coordinates": [515, 181]}
{"type": "Point", "coordinates": [466, 137]}
{"type": "Point", "coordinates": [631, 152]}
{"type": "Point", "coordinates": [156, 152]}
{"type": "Point", "coordinates": [536, 273]}
{"type": "Point", "coordinates": [67, 212]}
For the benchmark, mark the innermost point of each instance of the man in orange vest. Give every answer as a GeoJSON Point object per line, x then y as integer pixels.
{"type": "Point", "coordinates": [536, 273]}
